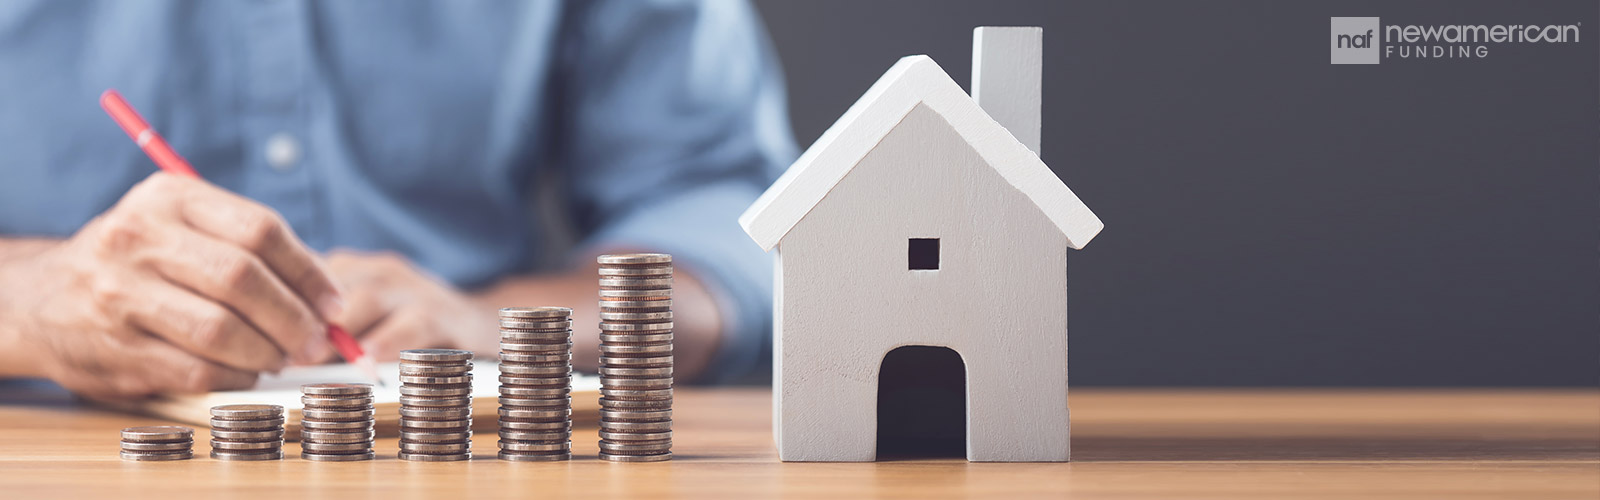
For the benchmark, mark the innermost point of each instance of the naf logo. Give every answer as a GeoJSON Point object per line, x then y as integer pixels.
{"type": "Point", "coordinates": [1356, 40]}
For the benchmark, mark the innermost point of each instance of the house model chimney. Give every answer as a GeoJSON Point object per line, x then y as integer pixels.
{"type": "Point", "coordinates": [1007, 68]}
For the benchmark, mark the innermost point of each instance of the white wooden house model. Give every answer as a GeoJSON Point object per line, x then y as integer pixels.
{"type": "Point", "coordinates": [925, 217]}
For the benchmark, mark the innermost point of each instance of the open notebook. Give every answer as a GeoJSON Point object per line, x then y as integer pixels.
{"type": "Point", "coordinates": [284, 389]}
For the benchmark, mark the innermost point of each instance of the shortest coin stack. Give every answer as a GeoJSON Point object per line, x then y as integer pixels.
{"type": "Point", "coordinates": [336, 422]}
{"type": "Point", "coordinates": [247, 432]}
{"type": "Point", "coordinates": [435, 405]}
{"type": "Point", "coordinates": [157, 443]}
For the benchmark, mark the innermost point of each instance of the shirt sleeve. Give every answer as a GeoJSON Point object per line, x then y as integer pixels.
{"type": "Point", "coordinates": [674, 123]}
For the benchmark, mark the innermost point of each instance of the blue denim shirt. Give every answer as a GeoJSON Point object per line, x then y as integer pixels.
{"type": "Point", "coordinates": [481, 139]}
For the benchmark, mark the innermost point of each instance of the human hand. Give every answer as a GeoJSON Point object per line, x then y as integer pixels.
{"type": "Point", "coordinates": [179, 287]}
{"type": "Point", "coordinates": [394, 306]}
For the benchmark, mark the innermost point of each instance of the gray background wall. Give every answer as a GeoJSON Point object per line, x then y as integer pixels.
{"type": "Point", "coordinates": [1273, 219]}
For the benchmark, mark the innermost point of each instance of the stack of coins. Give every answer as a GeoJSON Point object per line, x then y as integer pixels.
{"type": "Point", "coordinates": [247, 432]}
{"type": "Point", "coordinates": [535, 384]}
{"type": "Point", "coordinates": [157, 442]}
{"type": "Point", "coordinates": [636, 357]}
{"type": "Point", "coordinates": [336, 424]}
{"type": "Point", "coordinates": [435, 405]}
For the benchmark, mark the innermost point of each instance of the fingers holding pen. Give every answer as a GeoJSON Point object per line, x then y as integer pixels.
{"type": "Point", "coordinates": [237, 280]}
{"type": "Point", "coordinates": [262, 232]}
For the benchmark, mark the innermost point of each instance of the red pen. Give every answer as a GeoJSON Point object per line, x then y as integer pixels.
{"type": "Point", "coordinates": [158, 150]}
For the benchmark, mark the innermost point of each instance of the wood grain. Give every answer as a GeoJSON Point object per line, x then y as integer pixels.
{"type": "Point", "coordinates": [1127, 444]}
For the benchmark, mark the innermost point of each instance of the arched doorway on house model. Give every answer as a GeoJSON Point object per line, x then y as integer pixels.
{"type": "Point", "coordinates": [922, 404]}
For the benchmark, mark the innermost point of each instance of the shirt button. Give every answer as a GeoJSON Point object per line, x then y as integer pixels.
{"type": "Point", "coordinates": [283, 151]}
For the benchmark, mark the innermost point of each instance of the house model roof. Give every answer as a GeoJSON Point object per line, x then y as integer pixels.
{"type": "Point", "coordinates": [912, 80]}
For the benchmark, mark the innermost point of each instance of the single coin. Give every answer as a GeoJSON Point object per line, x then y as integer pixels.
{"type": "Point", "coordinates": [435, 355]}
{"type": "Point", "coordinates": [559, 402]}
{"type": "Point", "coordinates": [412, 447]}
{"type": "Point", "coordinates": [635, 448]}
{"type": "Point", "coordinates": [152, 433]}
{"type": "Point", "coordinates": [361, 436]}
{"type": "Point", "coordinates": [535, 312]}
{"type": "Point", "coordinates": [325, 402]}
{"type": "Point", "coordinates": [536, 425]}
{"type": "Point", "coordinates": [246, 412]}
{"type": "Point", "coordinates": [447, 362]}
{"type": "Point", "coordinates": [516, 391]}
{"type": "Point", "coordinates": [661, 362]}
{"type": "Point", "coordinates": [609, 371]}
{"type": "Point", "coordinates": [337, 415]}
{"type": "Point", "coordinates": [642, 350]}
{"type": "Point", "coordinates": [535, 347]}
{"type": "Point", "coordinates": [338, 457]}
{"type": "Point", "coordinates": [511, 456]}
{"type": "Point", "coordinates": [435, 402]}
{"type": "Point", "coordinates": [434, 430]}
{"type": "Point", "coordinates": [616, 426]}
{"type": "Point", "coordinates": [535, 446]}
{"type": "Point", "coordinates": [240, 456]}
{"type": "Point", "coordinates": [635, 416]}
{"type": "Point", "coordinates": [654, 399]}
{"type": "Point", "coordinates": [532, 413]}
{"type": "Point", "coordinates": [636, 317]}
{"type": "Point", "coordinates": [535, 336]}
{"type": "Point", "coordinates": [521, 357]}
{"type": "Point", "coordinates": [421, 370]}
{"type": "Point", "coordinates": [435, 437]}
{"type": "Point", "coordinates": [355, 447]}
{"type": "Point", "coordinates": [141, 456]}
{"type": "Point", "coordinates": [633, 258]}
{"type": "Point", "coordinates": [436, 391]}
{"type": "Point", "coordinates": [516, 435]}
{"type": "Point", "coordinates": [427, 457]}
{"type": "Point", "coordinates": [409, 412]}
{"type": "Point", "coordinates": [444, 363]}
{"type": "Point", "coordinates": [341, 390]}
{"type": "Point", "coordinates": [510, 333]}
{"type": "Point", "coordinates": [536, 370]}
{"type": "Point", "coordinates": [635, 338]}
{"type": "Point", "coordinates": [323, 425]}
{"type": "Point", "coordinates": [640, 361]}
{"type": "Point", "coordinates": [638, 404]}
{"type": "Point", "coordinates": [457, 380]}
{"type": "Point", "coordinates": [555, 324]}
{"type": "Point", "coordinates": [661, 457]}
{"type": "Point", "coordinates": [637, 394]}
{"type": "Point", "coordinates": [247, 435]}
{"type": "Point", "coordinates": [529, 382]}
{"type": "Point", "coordinates": [636, 436]}
{"type": "Point", "coordinates": [247, 425]}
{"type": "Point", "coordinates": [635, 282]}
{"type": "Point", "coordinates": [636, 294]}
{"type": "Point", "coordinates": [536, 381]}
{"type": "Point", "coordinates": [158, 446]}
{"type": "Point", "coordinates": [635, 383]}
{"type": "Point", "coordinates": [222, 444]}
{"type": "Point", "coordinates": [628, 305]}
{"type": "Point", "coordinates": [634, 271]}
{"type": "Point", "coordinates": [459, 423]}
{"type": "Point", "coordinates": [607, 326]}
{"type": "Point", "coordinates": [547, 335]}
{"type": "Point", "coordinates": [464, 367]}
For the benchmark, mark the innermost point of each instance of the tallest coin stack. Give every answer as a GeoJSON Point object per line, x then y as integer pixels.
{"type": "Point", "coordinates": [636, 357]}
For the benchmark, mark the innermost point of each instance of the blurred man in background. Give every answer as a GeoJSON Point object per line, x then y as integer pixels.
{"type": "Point", "coordinates": [401, 168]}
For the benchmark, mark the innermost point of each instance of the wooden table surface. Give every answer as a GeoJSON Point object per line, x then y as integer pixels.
{"type": "Point", "coordinates": [1126, 444]}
